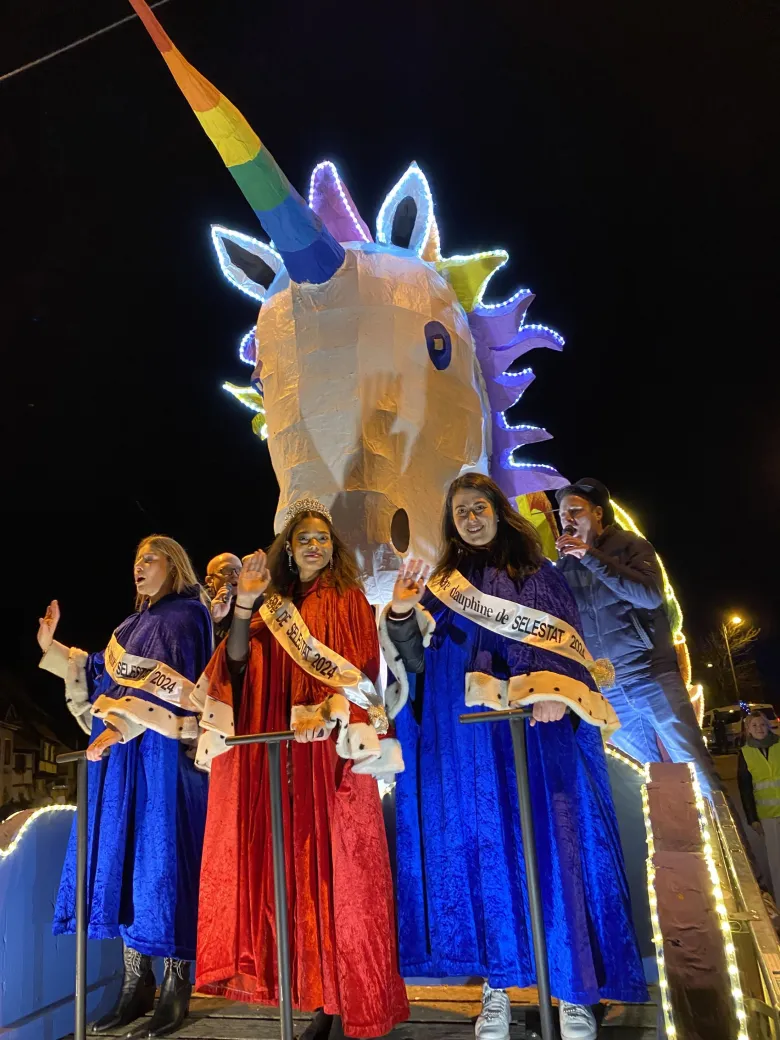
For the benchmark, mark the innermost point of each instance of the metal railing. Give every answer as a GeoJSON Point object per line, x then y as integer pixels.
{"type": "Point", "coordinates": [80, 994]}
{"type": "Point", "coordinates": [516, 718]}
{"type": "Point", "coordinates": [274, 742]}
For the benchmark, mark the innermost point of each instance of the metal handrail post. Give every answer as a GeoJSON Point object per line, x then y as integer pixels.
{"type": "Point", "coordinates": [516, 718]}
{"type": "Point", "coordinates": [274, 742]}
{"type": "Point", "coordinates": [82, 811]}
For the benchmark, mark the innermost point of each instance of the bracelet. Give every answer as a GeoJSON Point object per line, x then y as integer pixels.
{"type": "Point", "coordinates": [400, 617]}
{"type": "Point", "coordinates": [240, 606]}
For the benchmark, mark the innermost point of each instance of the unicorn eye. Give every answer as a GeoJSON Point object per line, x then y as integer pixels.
{"type": "Point", "coordinates": [439, 344]}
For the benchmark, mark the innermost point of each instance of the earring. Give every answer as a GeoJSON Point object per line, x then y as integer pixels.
{"type": "Point", "coordinates": [290, 560]}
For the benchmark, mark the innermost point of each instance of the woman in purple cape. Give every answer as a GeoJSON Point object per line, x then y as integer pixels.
{"type": "Point", "coordinates": [147, 802]}
{"type": "Point", "coordinates": [462, 903]}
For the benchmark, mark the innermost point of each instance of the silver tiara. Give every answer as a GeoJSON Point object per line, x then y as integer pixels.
{"type": "Point", "coordinates": [306, 505]}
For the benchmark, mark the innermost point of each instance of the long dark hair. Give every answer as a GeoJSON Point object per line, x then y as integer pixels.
{"type": "Point", "coordinates": [342, 574]}
{"type": "Point", "coordinates": [516, 548]}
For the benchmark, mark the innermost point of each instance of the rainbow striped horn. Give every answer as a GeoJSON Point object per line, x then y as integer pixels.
{"type": "Point", "coordinates": [309, 251]}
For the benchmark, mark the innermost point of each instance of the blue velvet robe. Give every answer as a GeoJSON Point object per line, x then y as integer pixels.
{"type": "Point", "coordinates": [462, 897]}
{"type": "Point", "coordinates": [147, 802]}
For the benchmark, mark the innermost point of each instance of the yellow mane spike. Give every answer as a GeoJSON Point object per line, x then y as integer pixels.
{"type": "Point", "coordinates": [469, 275]}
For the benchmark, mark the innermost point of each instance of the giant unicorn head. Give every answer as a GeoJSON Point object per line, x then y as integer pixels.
{"type": "Point", "coordinates": [380, 374]}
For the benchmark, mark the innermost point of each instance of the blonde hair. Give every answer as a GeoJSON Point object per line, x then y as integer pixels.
{"type": "Point", "coordinates": [180, 567]}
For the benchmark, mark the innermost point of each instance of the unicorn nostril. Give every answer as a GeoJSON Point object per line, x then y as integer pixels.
{"type": "Point", "coordinates": [399, 531]}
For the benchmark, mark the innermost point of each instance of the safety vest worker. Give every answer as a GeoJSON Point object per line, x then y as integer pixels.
{"type": "Point", "coordinates": [765, 774]}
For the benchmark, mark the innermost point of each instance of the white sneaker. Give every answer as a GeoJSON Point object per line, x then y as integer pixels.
{"type": "Point", "coordinates": [493, 1022]}
{"type": "Point", "coordinates": [577, 1022]}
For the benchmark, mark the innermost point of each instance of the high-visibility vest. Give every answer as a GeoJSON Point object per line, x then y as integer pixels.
{"type": "Point", "coordinates": [766, 779]}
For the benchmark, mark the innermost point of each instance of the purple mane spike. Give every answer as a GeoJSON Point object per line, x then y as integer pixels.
{"type": "Point", "coordinates": [500, 338]}
{"type": "Point", "coordinates": [330, 200]}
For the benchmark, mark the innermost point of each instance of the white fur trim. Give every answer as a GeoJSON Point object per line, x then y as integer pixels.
{"type": "Point", "coordinates": [390, 761]}
{"type": "Point", "coordinates": [200, 693]}
{"type": "Point", "coordinates": [55, 660]}
{"type": "Point", "coordinates": [148, 715]}
{"type": "Point", "coordinates": [70, 664]}
{"type": "Point", "coordinates": [359, 742]}
{"type": "Point", "coordinates": [77, 689]}
{"type": "Point", "coordinates": [487, 691]}
{"type": "Point", "coordinates": [127, 728]}
{"type": "Point", "coordinates": [397, 693]}
{"type": "Point", "coordinates": [210, 745]}
{"type": "Point", "coordinates": [217, 716]}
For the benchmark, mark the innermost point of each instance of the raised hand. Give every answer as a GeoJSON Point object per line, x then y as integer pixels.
{"type": "Point", "coordinates": [47, 625]}
{"type": "Point", "coordinates": [253, 580]}
{"type": "Point", "coordinates": [409, 585]}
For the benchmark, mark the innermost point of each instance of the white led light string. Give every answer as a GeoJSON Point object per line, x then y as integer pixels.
{"type": "Point", "coordinates": [340, 189]}
{"type": "Point", "coordinates": [658, 939]}
{"type": "Point", "coordinates": [620, 756]}
{"type": "Point", "coordinates": [721, 910]}
{"type": "Point", "coordinates": [4, 853]}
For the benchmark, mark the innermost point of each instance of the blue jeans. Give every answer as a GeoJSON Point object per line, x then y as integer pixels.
{"type": "Point", "coordinates": [659, 706]}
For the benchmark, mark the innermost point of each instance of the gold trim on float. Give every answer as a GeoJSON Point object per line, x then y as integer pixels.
{"type": "Point", "coordinates": [748, 915]}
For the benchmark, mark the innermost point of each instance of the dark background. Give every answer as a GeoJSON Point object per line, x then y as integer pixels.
{"type": "Point", "coordinates": [622, 152]}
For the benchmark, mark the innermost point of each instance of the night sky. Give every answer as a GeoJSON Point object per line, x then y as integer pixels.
{"type": "Point", "coordinates": [621, 152]}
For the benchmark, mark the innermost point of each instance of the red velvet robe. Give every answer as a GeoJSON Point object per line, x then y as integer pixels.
{"type": "Point", "coordinates": [342, 918]}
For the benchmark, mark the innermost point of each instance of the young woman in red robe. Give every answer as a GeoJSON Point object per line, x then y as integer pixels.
{"type": "Point", "coordinates": [342, 919]}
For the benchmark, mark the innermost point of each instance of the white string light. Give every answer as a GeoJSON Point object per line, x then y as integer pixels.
{"type": "Point", "coordinates": [243, 353]}
{"type": "Point", "coordinates": [473, 258]}
{"type": "Point", "coordinates": [658, 939]}
{"type": "Point", "coordinates": [4, 853]}
{"type": "Point", "coordinates": [234, 274]}
{"type": "Point", "coordinates": [504, 425]}
{"type": "Point", "coordinates": [339, 187]}
{"type": "Point", "coordinates": [621, 756]}
{"type": "Point", "coordinates": [522, 374]}
{"type": "Point", "coordinates": [482, 306]}
{"type": "Point", "coordinates": [414, 185]}
{"type": "Point", "coordinates": [530, 465]}
{"type": "Point", "coordinates": [545, 330]}
{"type": "Point", "coordinates": [720, 908]}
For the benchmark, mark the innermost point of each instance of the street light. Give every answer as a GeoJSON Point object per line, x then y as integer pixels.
{"type": "Point", "coordinates": [734, 620]}
{"type": "Point", "coordinates": [709, 664]}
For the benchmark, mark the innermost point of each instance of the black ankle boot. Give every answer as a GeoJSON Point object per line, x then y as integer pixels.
{"type": "Point", "coordinates": [318, 1028]}
{"type": "Point", "coordinates": [136, 997]}
{"type": "Point", "coordinates": [174, 1002]}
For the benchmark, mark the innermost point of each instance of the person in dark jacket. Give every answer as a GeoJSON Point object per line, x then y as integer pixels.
{"type": "Point", "coordinates": [221, 579]}
{"type": "Point", "coordinates": [616, 580]}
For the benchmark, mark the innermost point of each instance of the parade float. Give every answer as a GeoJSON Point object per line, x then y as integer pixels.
{"type": "Point", "coordinates": [380, 372]}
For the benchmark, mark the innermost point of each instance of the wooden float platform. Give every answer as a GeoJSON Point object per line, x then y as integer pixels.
{"type": "Point", "coordinates": [437, 1013]}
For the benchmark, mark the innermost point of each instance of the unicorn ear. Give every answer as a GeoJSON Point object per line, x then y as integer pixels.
{"type": "Point", "coordinates": [407, 213]}
{"type": "Point", "coordinates": [248, 264]}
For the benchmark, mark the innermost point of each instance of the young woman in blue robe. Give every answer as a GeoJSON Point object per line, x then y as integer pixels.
{"type": "Point", "coordinates": [462, 902]}
{"type": "Point", "coordinates": [147, 801]}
